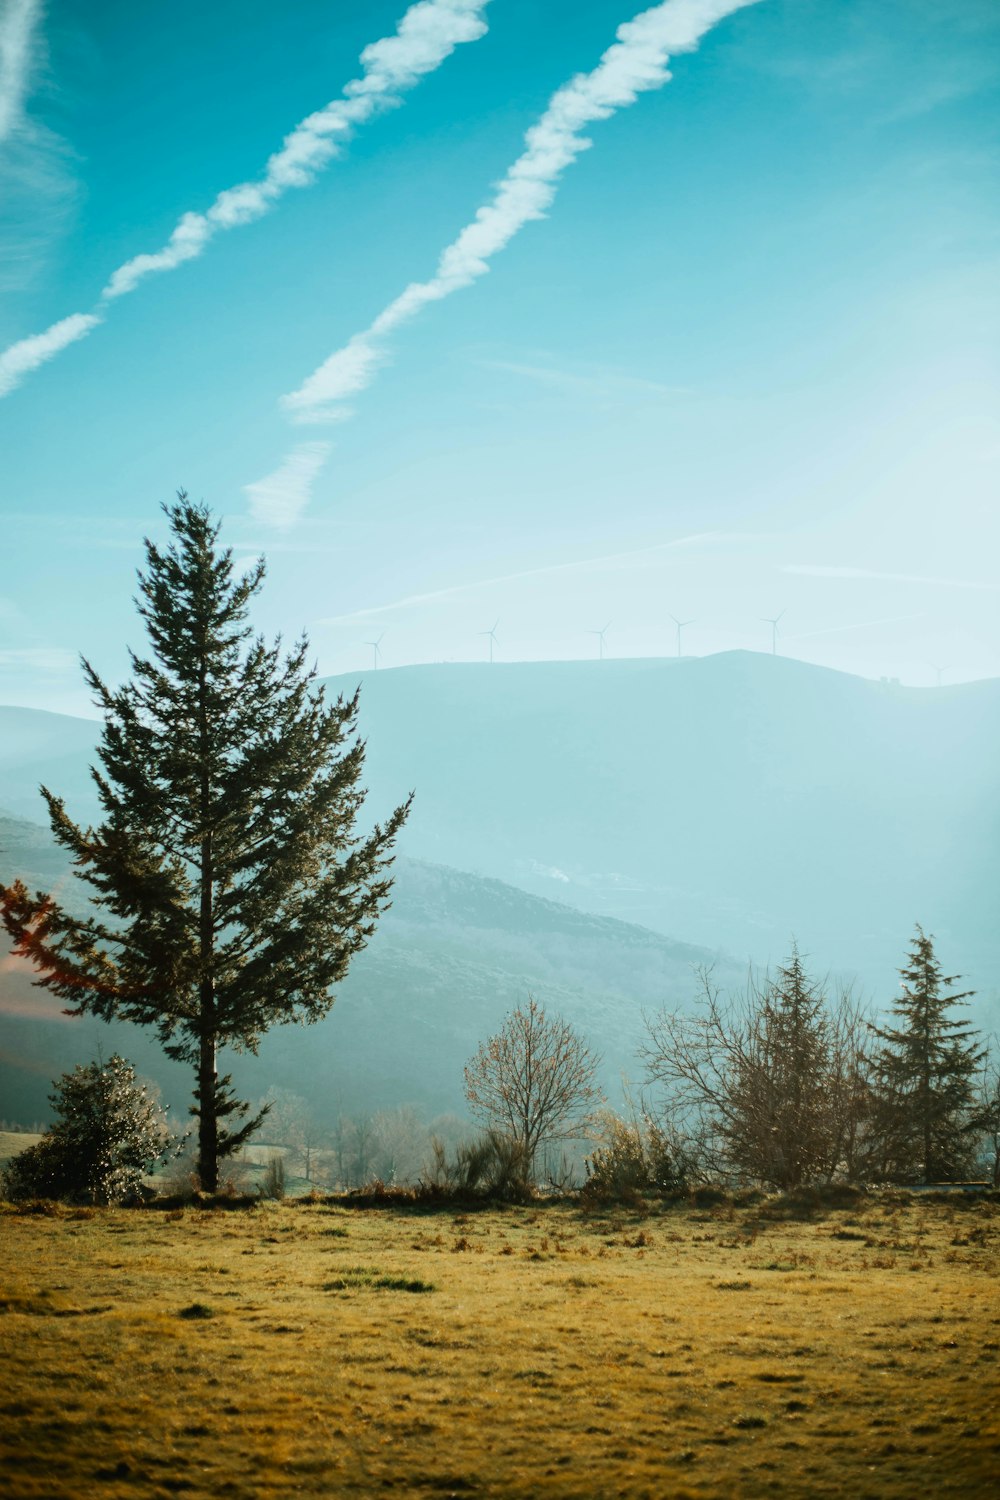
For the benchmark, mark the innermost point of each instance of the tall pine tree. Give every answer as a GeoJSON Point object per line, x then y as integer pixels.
{"type": "Point", "coordinates": [231, 888]}
{"type": "Point", "coordinates": [926, 1071]}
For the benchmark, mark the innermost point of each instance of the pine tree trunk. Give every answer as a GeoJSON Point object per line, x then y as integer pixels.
{"type": "Point", "coordinates": [926, 1103]}
{"type": "Point", "coordinates": [208, 1122]}
{"type": "Point", "coordinates": [208, 1125]}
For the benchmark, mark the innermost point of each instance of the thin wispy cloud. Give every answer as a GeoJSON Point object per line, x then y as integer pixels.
{"type": "Point", "coordinates": [635, 64]}
{"type": "Point", "coordinates": [811, 635]}
{"type": "Point", "coordinates": [38, 187]}
{"type": "Point", "coordinates": [608, 560]}
{"type": "Point", "coordinates": [601, 384]}
{"type": "Point", "coordinates": [426, 36]}
{"type": "Point", "coordinates": [823, 570]}
{"type": "Point", "coordinates": [955, 82]}
{"type": "Point", "coordinates": [279, 499]}
{"type": "Point", "coordinates": [18, 22]}
{"type": "Point", "coordinates": [54, 661]}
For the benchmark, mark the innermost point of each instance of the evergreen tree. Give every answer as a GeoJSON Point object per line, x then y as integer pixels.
{"type": "Point", "coordinates": [231, 888]}
{"type": "Point", "coordinates": [778, 1124]}
{"type": "Point", "coordinates": [926, 1075]}
{"type": "Point", "coordinates": [108, 1132]}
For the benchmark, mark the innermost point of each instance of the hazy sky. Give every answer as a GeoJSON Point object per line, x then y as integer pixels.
{"type": "Point", "coordinates": [739, 356]}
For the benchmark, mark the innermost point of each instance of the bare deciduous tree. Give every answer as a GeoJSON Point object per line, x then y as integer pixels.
{"type": "Point", "coordinates": [363, 1142]}
{"type": "Point", "coordinates": [988, 1111]}
{"type": "Point", "coordinates": [402, 1144]}
{"type": "Point", "coordinates": [850, 1089]}
{"type": "Point", "coordinates": [535, 1080]}
{"type": "Point", "coordinates": [292, 1123]}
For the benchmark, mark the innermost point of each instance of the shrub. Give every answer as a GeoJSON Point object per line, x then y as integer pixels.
{"type": "Point", "coordinates": [273, 1185]}
{"type": "Point", "coordinates": [37, 1172]}
{"type": "Point", "coordinates": [493, 1165]}
{"type": "Point", "coordinates": [637, 1156]}
{"type": "Point", "coordinates": [108, 1134]}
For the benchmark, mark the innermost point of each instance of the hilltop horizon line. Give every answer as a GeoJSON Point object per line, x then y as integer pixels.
{"type": "Point", "coordinates": [606, 663]}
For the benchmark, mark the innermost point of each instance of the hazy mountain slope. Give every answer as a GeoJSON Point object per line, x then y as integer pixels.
{"type": "Point", "coordinates": [452, 955]}
{"type": "Point", "coordinates": [39, 748]}
{"type": "Point", "coordinates": [736, 799]}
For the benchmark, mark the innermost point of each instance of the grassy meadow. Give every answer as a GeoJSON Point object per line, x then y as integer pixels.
{"type": "Point", "coordinates": [314, 1348]}
{"type": "Point", "coordinates": [11, 1142]}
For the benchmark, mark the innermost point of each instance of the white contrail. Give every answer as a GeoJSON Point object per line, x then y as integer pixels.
{"type": "Point", "coordinates": [21, 358]}
{"type": "Point", "coordinates": [636, 63]}
{"type": "Point", "coordinates": [811, 635]}
{"type": "Point", "coordinates": [456, 590]}
{"type": "Point", "coordinates": [427, 34]}
{"type": "Point", "coordinates": [280, 498]}
{"type": "Point", "coordinates": [18, 19]}
{"type": "Point", "coordinates": [822, 570]}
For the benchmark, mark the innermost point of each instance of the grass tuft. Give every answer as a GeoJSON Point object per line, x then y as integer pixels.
{"type": "Point", "coordinates": [367, 1278]}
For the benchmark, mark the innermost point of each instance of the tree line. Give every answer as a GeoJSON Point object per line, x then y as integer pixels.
{"type": "Point", "coordinates": [788, 1086]}
{"type": "Point", "coordinates": [781, 1086]}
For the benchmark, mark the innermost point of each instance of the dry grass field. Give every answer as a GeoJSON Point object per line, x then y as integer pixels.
{"type": "Point", "coordinates": [12, 1142]}
{"type": "Point", "coordinates": [311, 1349]}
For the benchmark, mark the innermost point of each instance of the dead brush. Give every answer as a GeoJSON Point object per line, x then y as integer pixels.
{"type": "Point", "coordinates": [492, 1168]}
{"type": "Point", "coordinates": [47, 1208]}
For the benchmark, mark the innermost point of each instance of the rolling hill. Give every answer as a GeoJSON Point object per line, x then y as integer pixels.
{"type": "Point", "coordinates": [450, 957]}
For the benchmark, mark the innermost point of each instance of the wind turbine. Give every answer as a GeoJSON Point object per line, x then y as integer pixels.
{"type": "Point", "coordinates": [600, 639]}
{"type": "Point", "coordinates": [774, 629]}
{"type": "Point", "coordinates": [376, 653]}
{"type": "Point", "coordinates": [492, 637]}
{"type": "Point", "coordinates": [680, 626]}
{"type": "Point", "coordinates": [940, 672]}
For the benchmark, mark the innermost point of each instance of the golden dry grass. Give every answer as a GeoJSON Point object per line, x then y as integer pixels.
{"type": "Point", "coordinates": [306, 1349]}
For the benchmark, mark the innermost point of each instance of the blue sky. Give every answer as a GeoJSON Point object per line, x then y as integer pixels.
{"type": "Point", "coordinates": [745, 363]}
